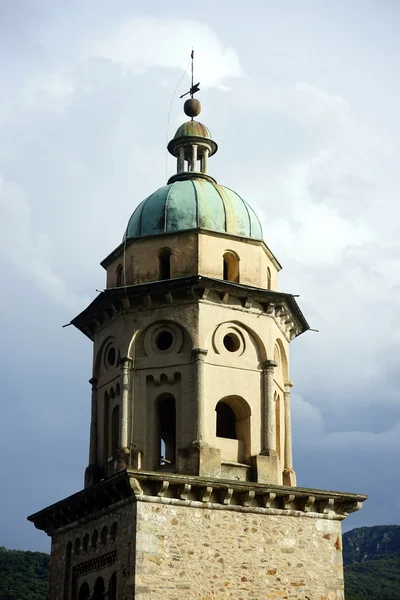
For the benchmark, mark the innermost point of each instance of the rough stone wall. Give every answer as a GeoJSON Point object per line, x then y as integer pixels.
{"type": "Point", "coordinates": [208, 554]}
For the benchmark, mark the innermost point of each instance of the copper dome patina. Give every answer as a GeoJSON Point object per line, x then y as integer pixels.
{"type": "Point", "coordinates": [192, 199]}
{"type": "Point", "coordinates": [194, 203]}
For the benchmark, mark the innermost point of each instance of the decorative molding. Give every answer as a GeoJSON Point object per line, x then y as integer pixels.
{"type": "Point", "coordinates": [192, 491]}
{"type": "Point", "coordinates": [112, 302]}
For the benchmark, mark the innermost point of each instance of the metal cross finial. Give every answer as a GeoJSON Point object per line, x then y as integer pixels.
{"type": "Point", "coordinates": [194, 86]}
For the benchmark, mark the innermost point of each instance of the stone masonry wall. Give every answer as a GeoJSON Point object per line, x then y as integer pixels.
{"type": "Point", "coordinates": [208, 554]}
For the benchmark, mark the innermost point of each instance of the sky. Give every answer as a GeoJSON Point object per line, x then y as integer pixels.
{"type": "Point", "coordinates": [302, 98]}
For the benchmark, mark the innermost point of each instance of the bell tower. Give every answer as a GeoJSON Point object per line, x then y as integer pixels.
{"type": "Point", "coordinates": [190, 489]}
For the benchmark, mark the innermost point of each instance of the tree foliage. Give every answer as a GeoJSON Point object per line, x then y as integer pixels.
{"type": "Point", "coordinates": [23, 575]}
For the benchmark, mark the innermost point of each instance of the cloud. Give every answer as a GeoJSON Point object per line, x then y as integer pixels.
{"type": "Point", "coordinates": [29, 251]}
{"type": "Point", "coordinates": [146, 42]}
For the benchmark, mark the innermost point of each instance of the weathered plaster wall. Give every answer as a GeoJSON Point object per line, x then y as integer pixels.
{"type": "Point", "coordinates": [205, 554]}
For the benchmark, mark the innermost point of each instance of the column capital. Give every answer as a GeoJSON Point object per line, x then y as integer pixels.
{"type": "Point", "coordinates": [125, 361]}
{"type": "Point", "coordinates": [268, 365]}
{"type": "Point", "coordinates": [199, 353]}
{"type": "Point", "coordinates": [288, 386]}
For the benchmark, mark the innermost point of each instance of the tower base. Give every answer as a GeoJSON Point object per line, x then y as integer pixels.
{"type": "Point", "coordinates": [145, 535]}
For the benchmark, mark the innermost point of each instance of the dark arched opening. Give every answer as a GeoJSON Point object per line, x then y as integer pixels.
{"type": "Point", "coordinates": [115, 431]}
{"type": "Point", "coordinates": [112, 588]}
{"type": "Point", "coordinates": [120, 276]}
{"type": "Point", "coordinates": [99, 589]}
{"type": "Point", "coordinates": [84, 592]}
{"type": "Point", "coordinates": [164, 264]}
{"type": "Point", "coordinates": [231, 267]}
{"type": "Point", "coordinates": [166, 443]}
{"type": "Point", "coordinates": [226, 421]}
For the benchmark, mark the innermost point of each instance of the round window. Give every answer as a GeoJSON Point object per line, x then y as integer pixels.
{"type": "Point", "coordinates": [164, 340]}
{"type": "Point", "coordinates": [110, 356]}
{"type": "Point", "coordinates": [231, 342]}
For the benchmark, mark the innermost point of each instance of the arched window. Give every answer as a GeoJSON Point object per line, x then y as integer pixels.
{"type": "Point", "coordinates": [85, 543]}
{"type": "Point", "coordinates": [99, 590]}
{"type": "Point", "coordinates": [164, 264]}
{"type": "Point", "coordinates": [115, 431]}
{"type": "Point", "coordinates": [166, 442]}
{"type": "Point", "coordinates": [226, 421]}
{"type": "Point", "coordinates": [113, 531]}
{"type": "Point", "coordinates": [103, 536]}
{"type": "Point", "coordinates": [120, 276]}
{"type": "Point", "coordinates": [112, 588]}
{"type": "Point", "coordinates": [269, 280]}
{"type": "Point", "coordinates": [95, 537]}
{"type": "Point", "coordinates": [84, 592]}
{"type": "Point", "coordinates": [230, 267]}
{"type": "Point", "coordinates": [233, 428]}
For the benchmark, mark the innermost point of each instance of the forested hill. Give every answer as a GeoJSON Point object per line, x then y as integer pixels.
{"type": "Point", "coordinates": [372, 563]}
{"type": "Point", "coordinates": [370, 543]}
{"type": "Point", "coordinates": [23, 575]}
{"type": "Point", "coordinates": [371, 556]}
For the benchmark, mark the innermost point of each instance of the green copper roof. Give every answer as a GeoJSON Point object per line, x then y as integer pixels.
{"type": "Point", "coordinates": [194, 204]}
{"type": "Point", "coordinates": [192, 128]}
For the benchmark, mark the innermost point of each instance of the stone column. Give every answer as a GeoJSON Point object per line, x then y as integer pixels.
{"type": "Point", "coordinates": [194, 158]}
{"type": "Point", "coordinates": [93, 424]}
{"type": "Point", "coordinates": [204, 166]}
{"type": "Point", "coordinates": [124, 408]}
{"type": "Point", "coordinates": [181, 160]}
{"type": "Point", "coordinates": [269, 422]}
{"type": "Point", "coordinates": [288, 428]}
{"type": "Point", "coordinates": [199, 355]}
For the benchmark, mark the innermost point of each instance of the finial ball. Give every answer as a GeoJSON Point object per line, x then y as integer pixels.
{"type": "Point", "coordinates": [192, 107]}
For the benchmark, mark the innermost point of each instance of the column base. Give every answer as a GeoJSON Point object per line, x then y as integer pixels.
{"type": "Point", "coordinates": [289, 477]}
{"type": "Point", "coordinates": [199, 459]}
{"type": "Point", "coordinates": [267, 468]}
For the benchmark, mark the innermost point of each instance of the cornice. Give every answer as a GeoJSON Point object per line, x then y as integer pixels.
{"type": "Point", "coordinates": [112, 302]}
{"type": "Point", "coordinates": [199, 492]}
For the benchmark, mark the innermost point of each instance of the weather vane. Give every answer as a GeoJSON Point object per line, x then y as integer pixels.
{"type": "Point", "coordinates": [195, 86]}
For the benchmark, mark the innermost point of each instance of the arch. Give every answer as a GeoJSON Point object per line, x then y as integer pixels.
{"type": "Point", "coordinates": [77, 546]}
{"type": "Point", "coordinates": [283, 360]}
{"type": "Point", "coordinates": [104, 536]}
{"type": "Point", "coordinates": [164, 264]}
{"type": "Point", "coordinates": [99, 589]}
{"type": "Point", "coordinates": [119, 276]}
{"type": "Point", "coordinates": [166, 429]}
{"type": "Point", "coordinates": [85, 543]}
{"type": "Point", "coordinates": [114, 431]}
{"type": "Point", "coordinates": [250, 337]}
{"type": "Point", "coordinates": [95, 538]}
{"type": "Point", "coordinates": [112, 587]}
{"type": "Point", "coordinates": [269, 279]}
{"type": "Point", "coordinates": [84, 591]}
{"type": "Point", "coordinates": [231, 266]}
{"type": "Point", "coordinates": [114, 531]}
{"type": "Point", "coordinates": [233, 416]}
{"type": "Point", "coordinates": [226, 421]}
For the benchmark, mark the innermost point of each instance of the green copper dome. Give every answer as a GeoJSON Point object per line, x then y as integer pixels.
{"type": "Point", "coordinates": [194, 203]}
{"type": "Point", "coordinates": [192, 128]}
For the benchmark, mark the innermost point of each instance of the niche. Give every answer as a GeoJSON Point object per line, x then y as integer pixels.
{"type": "Point", "coordinates": [164, 264]}
{"type": "Point", "coordinates": [230, 267]}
